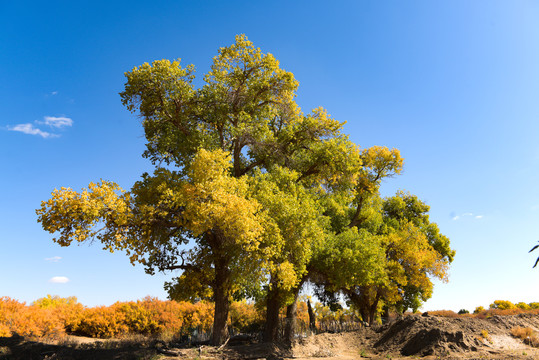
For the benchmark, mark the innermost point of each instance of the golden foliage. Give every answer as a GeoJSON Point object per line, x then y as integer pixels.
{"type": "Point", "coordinates": [54, 317]}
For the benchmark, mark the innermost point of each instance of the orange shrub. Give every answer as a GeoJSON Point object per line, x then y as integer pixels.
{"type": "Point", "coordinates": [102, 322]}
{"type": "Point", "coordinates": [245, 317]}
{"type": "Point", "coordinates": [522, 332]}
{"type": "Point", "coordinates": [444, 313]}
{"type": "Point", "coordinates": [149, 316]}
{"type": "Point", "coordinates": [527, 334]}
{"type": "Point", "coordinates": [30, 321]}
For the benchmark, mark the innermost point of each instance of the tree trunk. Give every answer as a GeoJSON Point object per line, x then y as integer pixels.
{"type": "Point", "coordinates": [312, 316]}
{"type": "Point", "coordinates": [273, 305]}
{"type": "Point", "coordinates": [222, 303]}
{"type": "Point", "coordinates": [373, 310]}
{"type": "Point", "coordinates": [385, 315]}
{"type": "Point", "coordinates": [290, 323]}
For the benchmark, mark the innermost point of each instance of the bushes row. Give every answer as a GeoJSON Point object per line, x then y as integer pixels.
{"type": "Point", "coordinates": [55, 317]}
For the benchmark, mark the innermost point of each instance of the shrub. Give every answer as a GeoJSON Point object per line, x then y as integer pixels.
{"type": "Point", "coordinates": [463, 311]}
{"type": "Point", "coordinates": [149, 316]}
{"type": "Point", "coordinates": [502, 305]}
{"type": "Point", "coordinates": [478, 310]}
{"type": "Point", "coordinates": [35, 321]}
{"type": "Point", "coordinates": [443, 313]}
{"type": "Point", "coordinates": [485, 335]}
{"type": "Point", "coordinates": [527, 334]}
{"type": "Point", "coordinates": [246, 318]}
{"type": "Point", "coordinates": [523, 306]}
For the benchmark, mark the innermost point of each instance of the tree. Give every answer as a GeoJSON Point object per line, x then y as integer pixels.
{"type": "Point", "coordinates": [388, 258]}
{"type": "Point", "coordinates": [250, 197]}
{"type": "Point", "coordinates": [222, 153]}
{"type": "Point", "coordinates": [502, 305]}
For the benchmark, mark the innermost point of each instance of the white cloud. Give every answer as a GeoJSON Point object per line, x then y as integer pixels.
{"type": "Point", "coordinates": [31, 130]}
{"type": "Point", "coordinates": [52, 121]}
{"type": "Point", "coordinates": [59, 280]}
{"type": "Point", "coordinates": [468, 214]}
{"type": "Point", "coordinates": [54, 93]}
{"type": "Point", "coordinates": [53, 259]}
{"type": "Point", "coordinates": [58, 122]}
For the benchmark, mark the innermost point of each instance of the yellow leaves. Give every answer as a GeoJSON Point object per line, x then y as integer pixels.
{"type": "Point", "coordinates": [287, 275]}
{"type": "Point", "coordinates": [416, 258]}
{"type": "Point", "coordinates": [215, 200]}
{"type": "Point", "coordinates": [74, 214]}
{"type": "Point", "coordinates": [381, 162]}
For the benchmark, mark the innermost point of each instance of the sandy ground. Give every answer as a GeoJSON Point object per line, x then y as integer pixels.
{"type": "Point", "coordinates": [411, 337]}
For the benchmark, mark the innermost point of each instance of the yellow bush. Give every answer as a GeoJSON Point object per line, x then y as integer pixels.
{"type": "Point", "coordinates": [502, 305]}
{"type": "Point", "coordinates": [245, 317]}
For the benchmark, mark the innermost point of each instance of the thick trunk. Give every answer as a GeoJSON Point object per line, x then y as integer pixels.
{"type": "Point", "coordinates": [372, 314]}
{"type": "Point", "coordinates": [373, 310]}
{"type": "Point", "coordinates": [222, 303]}
{"type": "Point", "coordinates": [364, 314]}
{"type": "Point", "coordinates": [273, 305]}
{"type": "Point", "coordinates": [290, 323]}
{"type": "Point", "coordinates": [361, 301]}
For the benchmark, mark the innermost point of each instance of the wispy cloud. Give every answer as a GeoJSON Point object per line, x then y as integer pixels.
{"type": "Point", "coordinates": [465, 215]}
{"type": "Point", "coordinates": [58, 122]}
{"type": "Point", "coordinates": [53, 259]}
{"type": "Point", "coordinates": [52, 93]}
{"type": "Point", "coordinates": [55, 122]}
{"type": "Point", "coordinates": [31, 130]}
{"type": "Point", "coordinates": [59, 280]}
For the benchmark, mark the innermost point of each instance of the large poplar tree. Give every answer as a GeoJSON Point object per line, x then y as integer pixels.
{"type": "Point", "coordinates": [248, 193]}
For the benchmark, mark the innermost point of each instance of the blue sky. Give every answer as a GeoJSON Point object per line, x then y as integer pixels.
{"type": "Point", "coordinates": [454, 85]}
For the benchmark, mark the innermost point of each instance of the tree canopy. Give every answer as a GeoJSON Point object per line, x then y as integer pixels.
{"type": "Point", "coordinates": [251, 197]}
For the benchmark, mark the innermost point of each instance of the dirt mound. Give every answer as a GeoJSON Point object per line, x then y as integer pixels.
{"type": "Point", "coordinates": [416, 335]}
{"type": "Point", "coordinates": [435, 335]}
{"type": "Point", "coordinates": [426, 336]}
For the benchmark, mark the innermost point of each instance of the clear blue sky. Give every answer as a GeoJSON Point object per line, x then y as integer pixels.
{"type": "Point", "coordinates": [454, 85]}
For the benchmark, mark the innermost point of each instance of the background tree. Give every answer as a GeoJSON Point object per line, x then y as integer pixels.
{"type": "Point", "coordinates": [387, 259]}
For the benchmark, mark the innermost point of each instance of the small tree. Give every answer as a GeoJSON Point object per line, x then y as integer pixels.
{"type": "Point", "coordinates": [478, 310]}
{"type": "Point", "coordinates": [502, 305]}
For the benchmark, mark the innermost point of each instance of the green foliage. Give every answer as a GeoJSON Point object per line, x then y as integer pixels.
{"type": "Point", "coordinates": [523, 306]}
{"type": "Point", "coordinates": [251, 197]}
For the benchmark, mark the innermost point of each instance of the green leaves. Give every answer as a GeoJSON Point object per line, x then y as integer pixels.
{"type": "Point", "coordinates": [249, 193]}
